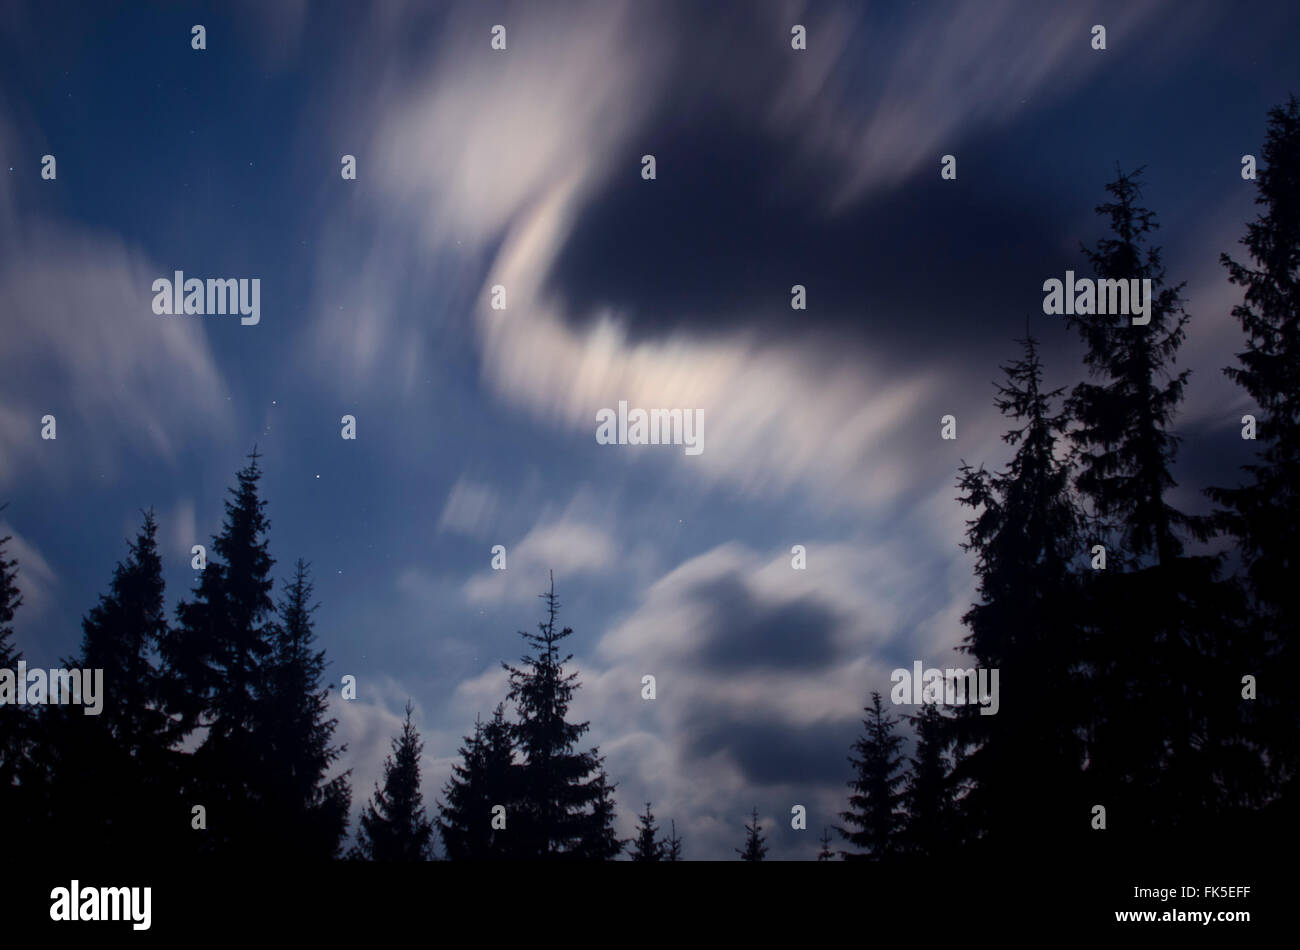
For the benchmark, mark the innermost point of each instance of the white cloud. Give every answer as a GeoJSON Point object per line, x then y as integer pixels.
{"type": "Point", "coordinates": [184, 527]}
{"type": "Point", "coordinates": [82, 343]}
{"type": "Point", "coordinates": [470, 507]}
{"type": "Point", "coordinates": [567, 548]}
{"type": "Point", "coordinates": [36, 579]}
{"type": "Point", "coordinates": [957, 68]}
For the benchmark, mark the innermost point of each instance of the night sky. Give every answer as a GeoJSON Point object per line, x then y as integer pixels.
{"type": "Point", "coordinates": [522, 167]}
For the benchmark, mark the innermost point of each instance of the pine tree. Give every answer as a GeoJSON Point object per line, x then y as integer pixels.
{"type": "Point", "coordinates": [671, 846]}
{"type": "Point", "coordinates": [1026, 534]}
{"type": "Point", "coordinates": [306, 814]}
{"type": "Point", "coordinates": [755, 843]}
{"type": "Point", "coordinates": [1125, 444]}
{"type": "Point", "coordinates": [646, 847]}
{"type": "Point", "coordinates": [874, 804]}
{"type": "Point", "coordinates": [393, 824]}
{"type": "Point", "coordinates": [565, 799]}
{"type": "Point", "coordinates": [10, 600]}
{"type": "Point", "coordinates": [1163, 624]}
{"type": "Point", "coordinates": [217, 661]}
{"type": "Point", "coordinates": [1264, 515]}
{"type": "Point", "coordinates": [116, 770]}
{"type": "Point", "coordinates": [826, 854]}
{"type": "Point", "coordinates": [12, 800]}
{"type": "Point", "coordinates": [486, 777]}
{"type": "Point", "coordinates": [928, 794]}
{"type": "Point", "coordinates": [599, 842]}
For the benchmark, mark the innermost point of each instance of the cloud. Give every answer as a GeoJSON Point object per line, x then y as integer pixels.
{"type": "Point", "coordinates": [566, 547]}
{"type": "Point", "coordinates": [184, 527]}
{"type": "Point", "coordinates": [953, 68]}
{"type": "Point", "coordinates": [470, 508]}
{"type": "Point", "coordinates": [369, 724]}
{"type": "Point", "coordinates": [761, 672]}
{"type": "Point", "coordinates": [36, 579]}
{"type": "Point", "coordinates": [82, 343]}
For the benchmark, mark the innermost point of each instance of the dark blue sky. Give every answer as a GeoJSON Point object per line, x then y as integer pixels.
{"type": "Point", "coordinates": [522, 167]}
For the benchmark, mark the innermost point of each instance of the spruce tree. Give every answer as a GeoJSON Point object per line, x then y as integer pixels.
{"type": "Point", "coordinates": [116, 770]}
{"type": "Point", "coordinates": [306, 814]}
{"type": "Point", "coordinates": [671, 846]}
{"type": "Point", "coordinates": [928, 792]}
{"type": "Point", "coordinates": [755, 843]}
{"type": "Point", "coordinates": [599, 842]}
{"type": "Point", "coordinates": [12, 716]}
{"type": "Point", "coordinates": [1163, 624]}
{"type": "Point", "coordinates": [393, 824]}
{"type": "Point", "coordinates": [565, 805]}
{"type": "Point", "coordinates": [874, 805]}
{"type": "Point", "coordinates": [487, 776]}
{"type": "Point", "coordinates": [646, 847]}
{"type": "Point", "coordinates": [1264, 514]}
{"type": "Point", "coordinates": [826, 854]}
{"type": "Point", "coordinates": [10, 600]}
{"type": "Point", "coordinates": [1026, 534]}
{"type": "Point", "coordinates": [217, 662]}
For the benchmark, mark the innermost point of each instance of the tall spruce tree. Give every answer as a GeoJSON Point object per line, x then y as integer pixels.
{"type": "Point", "coordinates": [1026, 535]}
{"type": "Point", "coordinates": [646, 847]}
{"type": "Point", "coordinates": [1264, 514]}
{"type": "Point", "coordinates": [486, 776]}
{"type": "Point", "coordinates": [928, 793]}
{"type": "Point", "coordinates": [755, 843]}
{"type": "Point", "coordinates": [874, 810]}
{"type": "Point", "coordinates": [566, 805]}
{"type": "Point", "coordinates": [306, 814]}
{"type": "Point", "coordinates": [217, 662]}
{"type": "Point", "coordinates": [393, 824]}
{"type": "Point", "coordinates": [1164, 626]}
{"type": "Point", "coordinates": [116, 770]}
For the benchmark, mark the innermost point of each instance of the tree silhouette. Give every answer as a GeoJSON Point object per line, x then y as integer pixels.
{"type": "Point", "coordinates": [1163, 624]}
{"type": "Point", "coordinates": [1026, 533]}
{"type": "Point", "coordinates": [566, 802]}
{"type": "Point", "coordinates": [13, 800]}
{"type": "Point", "coordinates": [487, 776]}
{"type": "Point", "coordinates": [116, 770]}
{"type": "Point", "coordinates": [755, 846]}
{"type": "Point", "coordinates": [672, 845]}
{"type": "Point", "coordinates": [928, 795]}
{"type": "Point", "coordinates": [1264, 514]}
{"type": "Point", "coordinates": [599, 841]}
{"type": "Point", "coordinates": [874, 805]}
{"type": "Point", "coordinates": [393, 824]}
{"type": "Point", "coordinates": [10, 600]}
{"type": "Point", "coordinates": [216, 662]}
{"type": "Point", "coordinates": [646, 847]}
{"type": "Point", "coordinates": [826, 854]}
{"type": "Point", "coordinates": [308, 813]}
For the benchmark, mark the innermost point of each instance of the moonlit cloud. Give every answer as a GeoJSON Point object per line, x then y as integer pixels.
{"type": "Point", "coordinates": [83, 344]}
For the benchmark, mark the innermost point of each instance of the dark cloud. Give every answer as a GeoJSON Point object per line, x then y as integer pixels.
{"type": "Point", "coordinates": [770, 752]}
{"type": "Point", "coordinates": [747, 635]}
